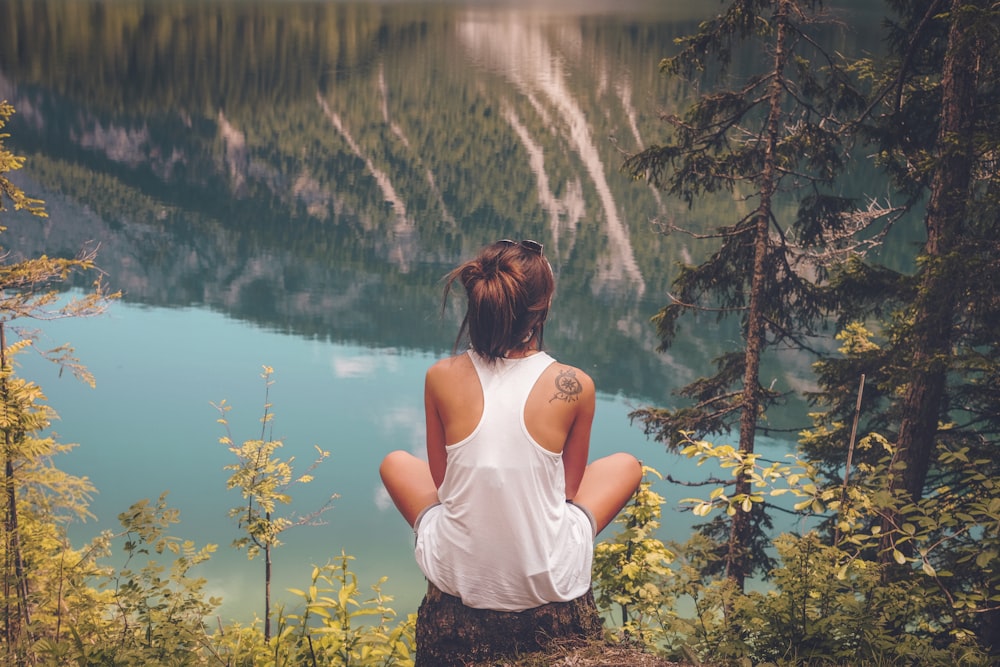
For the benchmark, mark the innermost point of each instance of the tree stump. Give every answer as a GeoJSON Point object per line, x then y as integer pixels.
{"type": "Point", "coordinates": [449, 634]}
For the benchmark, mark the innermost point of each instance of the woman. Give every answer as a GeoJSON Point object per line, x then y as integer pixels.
{"type": "Point", "coordinates": [505, 508]}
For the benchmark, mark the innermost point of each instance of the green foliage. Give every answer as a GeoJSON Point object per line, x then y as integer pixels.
{"type": "Point", "coordinates": [832, 598]}
{"type": "Point", "coordinates": [335, 627]}
{"type": "Point", "coordinates": [72, 607]}
{"type": "Point", "coordinates": [8, 163]}
{"type": "Point", "coordinates": [824, 607]}
{"type": "Point", "coordinates": [154, 613]}
{"type": "Point", "coordinates": [949, 532]}
{"type": "Point", "coordinates": [332, 599]}
{"type": "Point", "coordinates": [747, 465]}
{"type": "Point", "coordinates": [934, 129]}
{"type": "Point", "coordinates": [630, 567]}
{"type": "Point", "coordinates": [264, 481]}
{"type": "Point", "coordinates": [45, 581]}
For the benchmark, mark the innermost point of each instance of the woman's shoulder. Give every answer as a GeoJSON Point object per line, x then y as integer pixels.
{"type": "Point", "coordinates": [459, 363]}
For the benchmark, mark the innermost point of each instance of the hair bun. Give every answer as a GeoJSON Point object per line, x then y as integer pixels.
{"type": "Point", "coordinates": [508, 292]}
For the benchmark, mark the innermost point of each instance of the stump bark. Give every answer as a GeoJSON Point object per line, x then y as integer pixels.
{"type": "Point", "coordinates": [449, 634]}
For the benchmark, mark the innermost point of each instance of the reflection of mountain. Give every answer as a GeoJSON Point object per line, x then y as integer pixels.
{"type": "Point", "coordinates": [317, 167]}
{"type": "Point", "coordinates": [519, 47]}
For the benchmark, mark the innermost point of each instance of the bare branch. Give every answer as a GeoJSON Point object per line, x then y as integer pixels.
{"type": "Point", "coordinates": [711, 481]}
{"type": "Point", "coordinates": [705, 309]}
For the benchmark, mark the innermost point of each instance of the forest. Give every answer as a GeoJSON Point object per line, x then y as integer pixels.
{"type": "Point", "coordinates": [897, 474]}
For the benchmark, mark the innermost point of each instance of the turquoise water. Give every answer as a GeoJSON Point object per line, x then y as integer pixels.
{"type": "Point", "coordinates": [149, 427]}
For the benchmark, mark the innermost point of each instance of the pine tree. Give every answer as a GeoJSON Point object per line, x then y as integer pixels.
{"type": "Point", "coordinates": [775, 132]}
{"type": "Point", "coordinates": [929, 348]}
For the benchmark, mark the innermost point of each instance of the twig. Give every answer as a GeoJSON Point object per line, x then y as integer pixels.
{"type": "Point", "coordinates": [850, 456]}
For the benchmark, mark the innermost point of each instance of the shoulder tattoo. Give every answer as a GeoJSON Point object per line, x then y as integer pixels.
{"type": "Point", "coordinates": [568, 387]}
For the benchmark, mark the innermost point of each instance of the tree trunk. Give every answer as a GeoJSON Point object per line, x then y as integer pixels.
{"type": "Point", "coordinates": [18, 618]}
{"type": "Point", "coordinates": [937, 299]}
{"type": "Point", "coordinates": [449, 634]}
{"type": "Point", "coordinates": [940, 285]}
{"type": "Point", "coordinates": [738, 563]}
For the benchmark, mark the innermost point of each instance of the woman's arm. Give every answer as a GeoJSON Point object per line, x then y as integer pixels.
{"type": "Point", "coordinates": [437, 457]}
{"type": "Point", "coordinates": [577, 448]}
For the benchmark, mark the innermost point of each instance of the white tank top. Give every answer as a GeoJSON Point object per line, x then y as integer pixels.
{"type": "Point", "coordinates": [504, 537]}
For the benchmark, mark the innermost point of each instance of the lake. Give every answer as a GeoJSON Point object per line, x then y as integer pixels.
{"type": "Point", "coordinates": [285, 183]}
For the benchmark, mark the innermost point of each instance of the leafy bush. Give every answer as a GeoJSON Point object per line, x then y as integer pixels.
{"type": "Point", "coordinates": [864, 593]}
{"type": "Point", "coordinates": [630, 568]}
{"type": "Point", "coordinates": [335, 627]}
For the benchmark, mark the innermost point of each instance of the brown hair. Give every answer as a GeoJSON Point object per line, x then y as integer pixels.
{"type": "Point", "coordinates": [509, 287]}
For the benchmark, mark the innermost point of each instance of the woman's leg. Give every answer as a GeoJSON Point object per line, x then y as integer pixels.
{"type": "Point", "coordinates": [607, 485]}
{"type": "Point", "coordinates": [409, 483]}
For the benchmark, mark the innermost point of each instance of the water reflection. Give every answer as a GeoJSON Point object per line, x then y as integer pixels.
{"type": "Point", "coordinates": [403, 139]}
{"type": "Point", "coordinates": [286, 183]}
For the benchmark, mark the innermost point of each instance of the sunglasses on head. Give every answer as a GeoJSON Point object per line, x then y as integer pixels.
{"type": "Point", "coordinates": [527, 244]}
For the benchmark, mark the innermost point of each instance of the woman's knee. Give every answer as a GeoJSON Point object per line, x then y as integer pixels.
{"type": "Point", "coordinates": [635, 465]}
{"type": "Point", "coordinates": [394, 462]}
{"type": "Point", "coordinates": [628, 469]}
